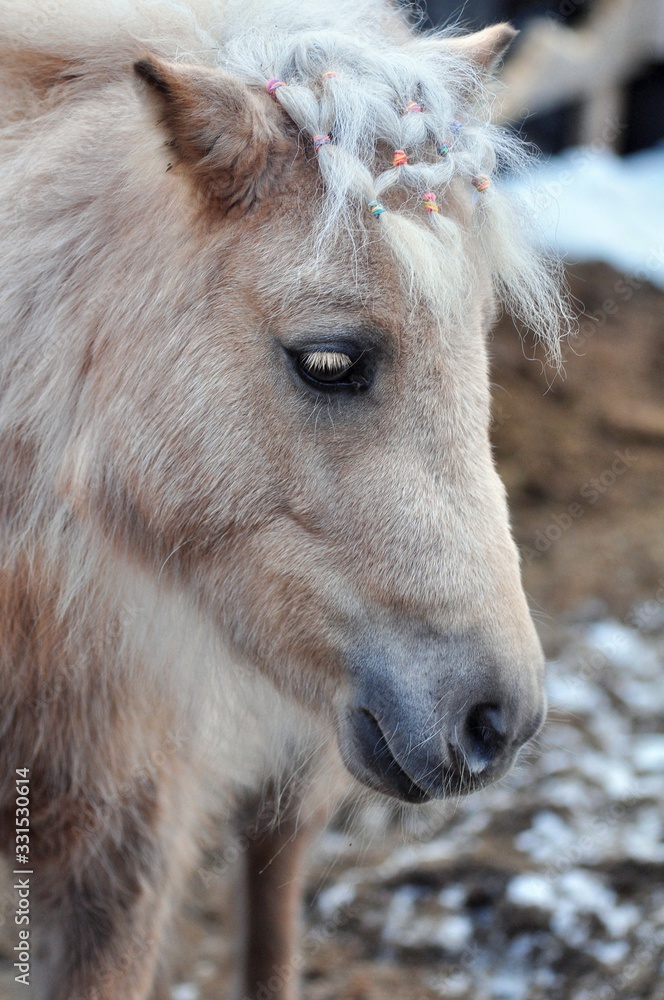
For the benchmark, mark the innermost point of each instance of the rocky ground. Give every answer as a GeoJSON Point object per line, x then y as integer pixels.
{"type": "Point", "coordinates": [551, 884]}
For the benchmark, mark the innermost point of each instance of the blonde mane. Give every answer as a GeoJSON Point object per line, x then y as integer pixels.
{"type": "Point", "coordinates": [354, 85]}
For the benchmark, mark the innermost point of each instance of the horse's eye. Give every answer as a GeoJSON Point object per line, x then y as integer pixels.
{"type": "Point", "coordinates": [332, 370]}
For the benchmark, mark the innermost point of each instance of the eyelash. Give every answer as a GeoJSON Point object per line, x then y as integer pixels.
{"type": "Point", "coordinates": [331, 370]}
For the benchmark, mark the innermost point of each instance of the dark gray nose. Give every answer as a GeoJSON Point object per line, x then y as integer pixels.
{"type": "Point", "coordinates": [430, 729]}
{"type": "Point", "coordinates": [416, 758]}
{"type": "Point", "coordinates": [436, 715]}
{"type": "Point", "coordinates": [480, 739]}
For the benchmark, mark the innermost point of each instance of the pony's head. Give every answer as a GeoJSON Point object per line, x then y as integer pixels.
{"type": "Point", "coordinates": [298, 251]}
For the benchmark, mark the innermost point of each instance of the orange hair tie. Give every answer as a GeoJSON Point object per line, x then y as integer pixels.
{"type": "Point", "coordinates": [400, 158]}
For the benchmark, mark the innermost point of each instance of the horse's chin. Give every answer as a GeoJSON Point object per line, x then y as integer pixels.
{"type": "Point", "coordinates": [399, 787]}
{"type": "Point", "coordinates": [366, 754]}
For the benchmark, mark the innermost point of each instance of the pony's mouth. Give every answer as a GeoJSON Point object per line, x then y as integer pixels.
{"type": "Point", "coordinates": [367, 755]}
{"type": "Point", "coordinates": [366, 752]}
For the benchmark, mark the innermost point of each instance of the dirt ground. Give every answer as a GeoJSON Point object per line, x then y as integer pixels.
{"type": "Point", "coordinates": [551, 884]}
{"type": "Point", "coordinates": [584, 461]}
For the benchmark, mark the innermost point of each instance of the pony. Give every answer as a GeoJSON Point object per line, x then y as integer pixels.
{"type": "Point", "coordinates": [253, 548]}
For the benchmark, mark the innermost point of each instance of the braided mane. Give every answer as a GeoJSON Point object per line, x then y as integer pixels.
{"type": "Point", "coordinates": [400, 123]}
{"type": "Point", "coordinates": [402, 131]}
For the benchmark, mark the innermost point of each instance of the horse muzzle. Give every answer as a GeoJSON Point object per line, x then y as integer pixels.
{"type": "Point", "coordinates": [421, 741]}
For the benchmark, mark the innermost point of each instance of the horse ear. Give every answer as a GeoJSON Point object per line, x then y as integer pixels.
{"type": "Point", "coordinates": [485, 47]}
{"type": "Point", "coordinates": [226, 135]}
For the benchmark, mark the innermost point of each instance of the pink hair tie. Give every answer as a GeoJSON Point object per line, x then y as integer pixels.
{"type": "Point", "coordinates": [321, 140]}
{"type": "Point", "coordinates": [400, 158]}
{"type": "Point", "coordinates": [481, 182]}
{"type": "Point", "coordinates": [329, 74]}
{"type": "Point", "coordinates": [274, 84]}
{"type": "Point", "coordinates": [429, 200]}
{"type": "Point", "coordinates": [412, 106]}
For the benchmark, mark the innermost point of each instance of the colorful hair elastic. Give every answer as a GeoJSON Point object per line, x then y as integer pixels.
{"type": "Point", "coordinates": [444, 148]}
{"type": "Point", "coordinates": [413, 106]}
{"type": "Point", "coordinates": [274, 84]}
{"type": "Point", "coordinates": [329, 74]}
{"type": "Point", "coordinates": [400, 158]}
{"type": "Point", "coordinates": [321, 140]}
{"type": "Point", "coordinates": [376, 208]}
{"type": "Point", "coordinates": [429, 200]}
{"type": "Point", "coordinates": [481, 182]}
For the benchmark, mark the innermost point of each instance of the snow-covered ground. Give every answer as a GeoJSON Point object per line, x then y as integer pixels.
{"type": "Point", "coordinates": [595, 205]}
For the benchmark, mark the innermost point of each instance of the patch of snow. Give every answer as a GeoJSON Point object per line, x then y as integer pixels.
{"type": "Point", "coordinates": [508, 984]}
{"type": "Point", "coordinates": [546, 977]}
{"type": "Point", "coordinates": [449, 933]}
{"type": "Point", "coordinates": [586, 890]}
{"type": "Point", "coordinates": [531, 889]}
{"type": "Point", "coordinates": [569, 792]}
{"type": "Point", "coordinates": [643, 839]}
{"type": "Point", "coordinates": [602, 207]}
{"type": "Point", "coordinates": [335, 898]}
{"type": "Point", "coordinates": [453, 932]}
{"type": "Point", "coordinates": [547, 838]}
{"type": "Point", "coordinates": [417, 854]}
{"type": "Point", "coordinates": [610, 953]}
{"type": "Point", "coordinates": [556, 760]}
{"type": "Point", "coordinates": [648, 753]}
{"type": "Point", "coordinates": [615, 776]}
{"type": "Point", "coordinates": [572, 895]}
{"type": "Point", "coordinates": [455, 985]}
{"type": "Point", "coordinates": [648, 787]}
{"type": "Point", "coordinates": [573, 694]}
{"type": "Point", "coordinates": [613, 732]}
{"type": "Point", "coordinates": [621, 919]}
{"type": "Point", "coordinates": [452, 897]}
{"type": "Point", "coordinates": [622, 646]}
{"type": "Point", "coordinates": [400, 914]}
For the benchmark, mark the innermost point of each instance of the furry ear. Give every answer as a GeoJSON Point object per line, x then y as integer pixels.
{"type": "Point", "coordinates": [485, 47]}
{"type": "Point", "coordinates": [227, 136]}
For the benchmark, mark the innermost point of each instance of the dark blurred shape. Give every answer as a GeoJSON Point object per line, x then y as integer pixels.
{"type": "Point", "coordinates": [475, 14]}
{"type": "Point", "coordinates": [644, 113]}
{"type": "Point", "coordinates": [552, 131]}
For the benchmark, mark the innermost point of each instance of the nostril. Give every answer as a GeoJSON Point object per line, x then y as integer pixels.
{"type": "Point", "coordinates": [485, 733]}
{"type": "Point", "coordinates": [371, 725]}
